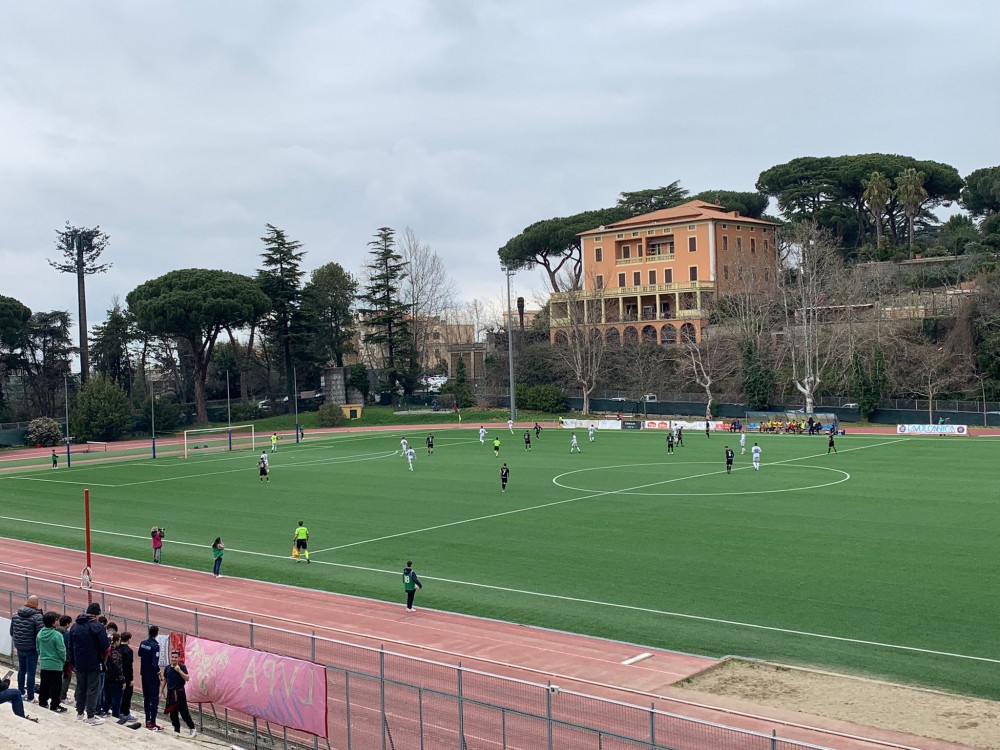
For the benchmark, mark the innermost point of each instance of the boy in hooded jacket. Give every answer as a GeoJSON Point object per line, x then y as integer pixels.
{"type": "Point", "coordinates": [51, 660]}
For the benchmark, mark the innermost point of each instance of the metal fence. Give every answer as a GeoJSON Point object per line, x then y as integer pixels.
{"type": "Point", "coordinates": [381, 700]}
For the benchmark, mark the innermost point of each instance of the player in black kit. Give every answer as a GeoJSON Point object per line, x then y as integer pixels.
{"type": "Point", "coordinates": [504, 474]}
{"type": "Point", "coordinates": [729, 460]}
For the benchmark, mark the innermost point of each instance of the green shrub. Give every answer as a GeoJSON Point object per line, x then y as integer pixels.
{"type": "Point", "coordinates": [546, 398]}
{"type": "Point", "coordinates": [247, 412]}
{"type": "Point", "coordinates": [44, 431]}
{"type": "Point", "coordinates": [168, 416]}
{"type": "Point", "coordinates": [330, 415]}
{"type": "Point", "coordinates": [103, 411]}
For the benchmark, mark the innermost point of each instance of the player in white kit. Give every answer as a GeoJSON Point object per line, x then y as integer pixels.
{"type": "Point", "coordinates": [590, 433]}
{"type": "Point", "coordinates": [482, 436]}
{"type": "Point", "coordinates": [410, 454]}
{"type": "Point", "coordinates": [573, 445]}
{"type": "Point", "coordinates": [743, 443]}
{"type": "Point", "coordinates": [755, 454]}
{"type": "Point", "coordinates": [510, 426]}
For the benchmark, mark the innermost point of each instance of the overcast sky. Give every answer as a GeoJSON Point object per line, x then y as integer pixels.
{"type": "Point", "coordinates": [183, 127]}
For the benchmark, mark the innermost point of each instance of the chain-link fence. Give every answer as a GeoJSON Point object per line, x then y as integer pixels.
{"type": "Point", "coordinates": [380, 700]}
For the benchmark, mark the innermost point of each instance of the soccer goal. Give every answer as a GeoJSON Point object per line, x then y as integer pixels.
{"type": "Point", "coordinates": [214, 439]}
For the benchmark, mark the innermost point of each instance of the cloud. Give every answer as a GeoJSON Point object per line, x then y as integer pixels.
{"type": "Point", "coordinates": [183, 127]}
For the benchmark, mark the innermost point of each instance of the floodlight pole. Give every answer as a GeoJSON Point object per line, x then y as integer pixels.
{"type": "Point", "coordinates": [295, 395]}
{"type": "Point", "coordinates": [510, 344]}
{"type": "Point", "coordinates": [69, 453]}
{"type": "Point", "coordinates": [229, 408]}
{"type": "Point", "coordinates": [152, 412]}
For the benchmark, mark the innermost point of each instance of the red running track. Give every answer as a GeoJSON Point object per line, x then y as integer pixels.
{"type": "Point", "coordinates": [575, 663]}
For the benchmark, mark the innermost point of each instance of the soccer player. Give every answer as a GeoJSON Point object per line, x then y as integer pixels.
{"type": "Point", "coordinates": [300, 537]}
{"type": "Point", "coordinates": [538, 430]}
{"type": "Point", "coordinates": [504, 475]}
{"type": "Point", "coordinates": [830, 445]}
{"type": "Point", "coordinates": [274, 442]}
{"type": "Point", "coordinates": [743, 443]}
{"type": "Point", "coordinates": [590, 432]}
{"type": "Point", "coordinates": [527, 440]}
{"type": "Point", "coordinates": [410, 455]}
{"type": "Point", "coordinates": [430, 445]}
{"type": "Point", "coordinates": [403, 445]}
{"type": "Point", "coordinates": [410, 585]}
{"type": "Point", "coordinates": [729, 460]}
{"type": "Point", "coordinates": [680, 437]}
{"type": "Point", "coordinates": [670, 442]}
{"type": "Point", "coordinates": [755, 455]}
{"type": "Point", "coordinates": [262, 470]}
{"type": "Point", "coordinates": [496, 447]}
{"type": "Point", "coordinates": [574, 445]}
{"type": "Point", "coordinates": [482, 436]}
{"type": "Point", "coordinates": [55, 459]}
{"type": "Point", "coordinates": [510, 426]}
{"type": "Point", "coordinates": [264, 458]}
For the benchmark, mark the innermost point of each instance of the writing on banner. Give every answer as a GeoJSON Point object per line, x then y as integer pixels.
{"type": "Point", "coordinates": [284, 691]}
{"type": "Point", "coordinates": [932, 429]}
{"type": "Point", "coordinates": [583, 424]}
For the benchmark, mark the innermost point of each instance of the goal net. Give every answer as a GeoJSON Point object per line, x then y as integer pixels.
{"type": "Point", "coordinates": [215, 439]}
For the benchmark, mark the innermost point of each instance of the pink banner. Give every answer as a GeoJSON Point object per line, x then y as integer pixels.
{"type": "Point", "coordinates": [284, 691]}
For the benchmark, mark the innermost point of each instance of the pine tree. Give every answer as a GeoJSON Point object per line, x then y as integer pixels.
{"type": "Point", "coordinates": [281, 280]}
{"type": "Point", "coordinates": [384, 312]}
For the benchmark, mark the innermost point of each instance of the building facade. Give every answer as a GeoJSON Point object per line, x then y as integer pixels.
{"type": "Point", "coordinates": [654, 276]}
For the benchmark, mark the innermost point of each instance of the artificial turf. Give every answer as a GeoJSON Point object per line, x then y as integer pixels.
{"type": "Point", "coordinates": [879, 560]}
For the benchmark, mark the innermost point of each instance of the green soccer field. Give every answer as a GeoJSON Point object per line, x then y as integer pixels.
{"type": "Point", "coordinates": [879, 560]}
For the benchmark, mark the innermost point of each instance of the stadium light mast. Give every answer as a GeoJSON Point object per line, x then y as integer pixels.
{"type": "Point", "coordinates": [229, 408]}
{"type": "Point", "coordinates": [510, 343]}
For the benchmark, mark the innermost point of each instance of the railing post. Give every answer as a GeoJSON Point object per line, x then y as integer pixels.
{"type": "Point", "coordinates": [548, 711]}
{"type": "Point", "coordinates": [461, 711]}
{"type": "Point", "coordinates": [420, 714]}
{"type": "Point", "coordinates": [347, 705]}
{"type": "Point", "coordinates": [196, 621]}
{"type": "Point", "coordinates": [147, 613]}
{"type": "Point", "coordinates": [312, 658]}
{"type": "Point", "coordinates": [652, 726]}
{"type": "Point", "coordinates": [381, 692]}
{"type": "Point", "coordinates": [251, 632]}
{"type": "Point", "coordinates": [774, 739]}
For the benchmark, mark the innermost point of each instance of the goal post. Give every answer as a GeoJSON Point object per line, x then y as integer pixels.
{"type": "Point", "coordinates": [215, 439]}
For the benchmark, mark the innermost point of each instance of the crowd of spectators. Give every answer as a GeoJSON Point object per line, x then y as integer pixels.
{"type": "Point", "coordinates": [53, 649]}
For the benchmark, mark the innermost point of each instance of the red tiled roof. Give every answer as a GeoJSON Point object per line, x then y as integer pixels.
{"type": "Point", "coordinates": [684, 213]}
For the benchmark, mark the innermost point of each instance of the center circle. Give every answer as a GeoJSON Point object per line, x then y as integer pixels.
{"type": "Point", "coordinates": [638, 489]}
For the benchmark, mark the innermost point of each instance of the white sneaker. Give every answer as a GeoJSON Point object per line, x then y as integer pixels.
{"type": "Point", "coordinates": [95, 721]}
{"type": "Point", "coordinates": [192, 732]}
{"type": "Point", "coordinates": [80, 717]}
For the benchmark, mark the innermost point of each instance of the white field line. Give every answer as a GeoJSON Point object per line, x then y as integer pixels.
{"type": "Point", "coordinates": [570, 599]}
{"type": "Point", "coordinates": [587, 496]}
{"type": "Point", "coordinates": [578, 600]}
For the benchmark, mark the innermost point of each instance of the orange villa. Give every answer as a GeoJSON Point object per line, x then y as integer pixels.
{"type": "Point", "coordinates": [654, 275]}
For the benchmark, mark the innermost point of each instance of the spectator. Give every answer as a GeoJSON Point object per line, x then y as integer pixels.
{"type": "Point", "coordinates": [64, 622]}
{"type": "Point", "coordinates": [13, 697]}
{"type": "Point", "coordinates": [128, 672]}
{"type": "Point", "coordinates": [156, 534]}
{"type": "Point", "coordinates": [51, 660]}
{"type": "Point", "coordinates": [104, 700]}
{"type": "Point", "coordinates": [114, 681]}
{"type": "Point", "coordinates": [89, 643]}
{"type": "Point", "coordinates": [174, 676]}
{"type": "Point", "coordinates": [149, 674]}
{"type": "Point", "coordinates": [24, 629]}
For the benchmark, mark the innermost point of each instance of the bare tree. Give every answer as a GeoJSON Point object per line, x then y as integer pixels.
{"type": "Point", "coordinates": [427, 289]}
{"type": "Point", "coordinates": [580, 343]}
{"type": "Point", "coordinates": [926, 369]}
{"type": "Point", "coordinates": [709, 362]}
{"type": "Point", "coordinates": [812, 284]}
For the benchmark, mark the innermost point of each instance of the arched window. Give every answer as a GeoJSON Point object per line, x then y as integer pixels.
{"type": "Point", "coordinates": [612, 337]}
{"type": "Point", "coordinates": [668, 335]}
{"type": "Point", "coordinates": [649, 334]}
{"type": "Point", "coordinates": [631, 335]}
{"type": "Point", "coordinates": [688, 333]}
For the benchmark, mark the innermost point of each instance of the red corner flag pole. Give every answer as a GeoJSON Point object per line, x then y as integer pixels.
{"type": "Point", "coordinates": [86, 510]}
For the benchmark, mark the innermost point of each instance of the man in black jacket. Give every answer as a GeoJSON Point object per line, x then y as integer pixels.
{"type": "Point", "coordinates": [24, 628]}
{"type": "Point", "coordinates": [90, 645]}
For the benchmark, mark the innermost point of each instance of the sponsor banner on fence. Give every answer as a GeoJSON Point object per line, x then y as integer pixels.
{"type": "Point", "coordinates": [283, 691]}
{"type": "Point", "coordinates": [583, 424]}
{"type": "Point", "coordinates": [656, 424]}
{"type": "Point", "coordinates": [672, 424]}
{"type": "Point", "coordinates": [932, 429]}
{"type": "Point", "coordinates": [632, 424]}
